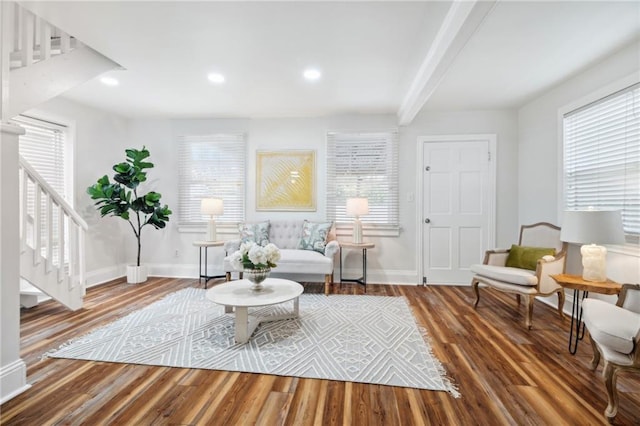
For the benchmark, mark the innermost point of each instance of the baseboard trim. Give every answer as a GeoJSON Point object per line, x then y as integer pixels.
{"type": "Point", "coordinates": [104, 275]}
{"type": "Point", "coordinates": [13, 380]}
{"type": "Point", "coordinates": [552, 300]}
{"type": "Point", "coordinates": [190, 270]}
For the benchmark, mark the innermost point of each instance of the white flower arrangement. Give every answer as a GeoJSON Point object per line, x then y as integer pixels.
{"type": "Point", "coordinates": [252, 256]}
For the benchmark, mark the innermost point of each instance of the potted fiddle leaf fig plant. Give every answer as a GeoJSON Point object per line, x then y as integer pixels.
{"type": "Point", "coordinates": [121, 198]}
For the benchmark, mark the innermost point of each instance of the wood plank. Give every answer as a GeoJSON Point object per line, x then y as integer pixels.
{"type": "Point", "coordinates": [505, 373]}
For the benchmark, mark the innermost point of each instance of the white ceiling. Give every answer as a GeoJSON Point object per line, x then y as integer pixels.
{"type": "Point", "coordinates": [369, 53]}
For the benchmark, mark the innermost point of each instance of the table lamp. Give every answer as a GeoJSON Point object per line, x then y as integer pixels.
{"type": "Point", "coordinates": [357, 207]}
{"type": "Point", "coordinates": [592, 227]}
{"type": "Point", "coordinates": [211, 207]}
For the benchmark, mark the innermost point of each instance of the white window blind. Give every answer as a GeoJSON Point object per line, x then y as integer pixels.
{"type": "Point", "coordinates": [43, 146]}
{"type": "Point", "coordinates": [211, 166]}
{"type": "Point", "coordinates": [602, 156]}
{"type": "Point", "coordinates": [363, 165]}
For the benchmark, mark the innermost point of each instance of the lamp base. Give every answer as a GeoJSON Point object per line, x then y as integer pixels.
{"type": "Point", "coordinates": [211, 230]}
{"type": "Point", "coordinates": [357, 231]}
{"type": "Point", "coordinates": [594, 266]}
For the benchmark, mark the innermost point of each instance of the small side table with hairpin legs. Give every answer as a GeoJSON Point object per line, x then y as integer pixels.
{"type": "Point", "coordinates": [204, 246]}
{"type": "Point", "coordinates": [578, 284]}
{"type": "Point", "coordinates": [363, 246]}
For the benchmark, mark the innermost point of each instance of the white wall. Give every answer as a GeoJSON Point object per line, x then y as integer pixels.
{"type": "Point", "coordinates": [502, 123]}
{"type": "Point", "coordinates": [263, 134]}
{"type": "Point", "coordinates": [394, 259]}
{"type": "Point", "coordinates": [539, 163]}
{"type": "Point", "coordinates": [101, 139]}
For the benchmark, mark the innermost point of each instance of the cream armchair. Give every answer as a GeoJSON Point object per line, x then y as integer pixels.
{"type": "Point", "coordinates": [614, 332]}
{"type": "Point", "coordinates": [532, 282]}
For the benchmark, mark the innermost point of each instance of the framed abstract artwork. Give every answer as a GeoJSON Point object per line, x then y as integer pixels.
{"type": "Point", "coordinates": [285, 180]}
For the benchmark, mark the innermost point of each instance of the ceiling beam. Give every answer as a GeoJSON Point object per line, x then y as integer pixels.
{"type": "Point", "coordinates": [461, 22]}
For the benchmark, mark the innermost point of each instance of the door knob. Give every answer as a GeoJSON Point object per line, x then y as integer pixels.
{"type": "Point", "coordinates": [427, 220]}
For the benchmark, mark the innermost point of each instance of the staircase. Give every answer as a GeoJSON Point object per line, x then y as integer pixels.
{"type": "Point", "coordinates": [34, 39]}
{"type": "Point", "coordinates": [40, 61]}
{"type": "Point", "coordinates": [52, 240]}
{"type": "Point", "coordinates": [37, 63]}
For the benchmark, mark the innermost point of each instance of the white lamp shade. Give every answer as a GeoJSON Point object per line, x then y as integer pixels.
{"type": "Point", "coordinates": [592, 227]}
{"type": "Point", "coordinates": [211, 206]}
{"type": "Point", "coordinates": [357, 206]}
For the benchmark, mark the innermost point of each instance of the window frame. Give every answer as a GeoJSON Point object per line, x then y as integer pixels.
{"type": "Point", "coordinates": [632, 245]}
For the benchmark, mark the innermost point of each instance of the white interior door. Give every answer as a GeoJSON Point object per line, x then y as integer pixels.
{"type": "Point", "coordinates": [456, 208]}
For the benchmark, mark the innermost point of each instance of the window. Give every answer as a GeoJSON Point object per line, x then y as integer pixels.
{"type": "Point", "coordinates": [211, 166]}
{"type": "Point", "coordinates": [44, 147]}
{"type": "Point", "coordinates": [363, 165]}
{"type": "Point", "coordinates": [602, 156]}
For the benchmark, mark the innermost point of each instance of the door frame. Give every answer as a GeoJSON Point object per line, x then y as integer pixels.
{"type": "Point", "coordinates": [491, 138]}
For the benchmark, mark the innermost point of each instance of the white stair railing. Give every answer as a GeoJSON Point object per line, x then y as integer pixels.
{"type": "Point", "coordinates": [52, 236]}
{"type": "Point", "coordinates": [32, 39]}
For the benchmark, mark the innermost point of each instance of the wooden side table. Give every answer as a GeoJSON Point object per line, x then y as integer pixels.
{"type": "Point", "coordinates": [578, 284]}
{"type": "Point", "coordinates": [364, 247]}
{"type": "Point", "coordinates": [204, 246]}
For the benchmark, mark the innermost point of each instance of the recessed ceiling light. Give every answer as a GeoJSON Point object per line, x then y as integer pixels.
{"type": "Point", "coordinates": [312, 74]}
{"type": "Point", "coordinates": [216, 78]}
{"type": "Point", "coordinates": [109, 81]}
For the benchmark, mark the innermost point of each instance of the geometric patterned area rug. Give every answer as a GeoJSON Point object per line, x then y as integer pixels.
{"type": "Point", "coordinates": [367, 339]}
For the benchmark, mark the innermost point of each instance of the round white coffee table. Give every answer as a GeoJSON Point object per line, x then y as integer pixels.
{"type": "Point", "coordinates": [237, 296]}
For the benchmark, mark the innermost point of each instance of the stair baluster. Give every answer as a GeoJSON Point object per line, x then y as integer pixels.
{"type": "Point", "coordinates": [55, 263]}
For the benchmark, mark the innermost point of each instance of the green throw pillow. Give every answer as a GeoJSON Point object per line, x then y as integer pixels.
{"type": "Point", "coordinates": [255, 232]}
{"type": "Point", "coordinates": [527, 257]}
{"type": "Point", "coordinates": [314, 236]}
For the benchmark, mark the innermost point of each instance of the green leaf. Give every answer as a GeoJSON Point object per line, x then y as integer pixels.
{"type": "Point", "coordinates": [122, 167]}
{"type": "Point", "coordinates": [153, 196]}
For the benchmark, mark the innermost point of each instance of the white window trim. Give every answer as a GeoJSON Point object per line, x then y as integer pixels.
{"type": "Point", "coordinates": [630, 249]}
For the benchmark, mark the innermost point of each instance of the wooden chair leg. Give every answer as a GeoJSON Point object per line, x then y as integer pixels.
{"type": "Point", "coordinates": [561, 303]}
{"type": "Point", "coordinates": [596, 354]}
{"type": "Point", "coordinates": [529, 313]}
{"type": "Point", "coordinates": [327, 283]}
{"type": "Point", "coordinates": [610, 374]}
{"type": "Point", "coordinates": [476, 290]}
{"type": "Point", "coordinates": [228, 276]}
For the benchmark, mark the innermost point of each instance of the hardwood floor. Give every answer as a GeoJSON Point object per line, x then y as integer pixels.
{"type": "Point", "coordinates": [505, 374]}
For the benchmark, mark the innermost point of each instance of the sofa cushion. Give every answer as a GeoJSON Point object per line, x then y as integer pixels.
{"type": "Point", "coordinates": [254, 232]}
{"type": "Point", "coordinates": [285, 234]}
{"type": "Point", "coordinates": [510, 275]}
{"type": "Point", "coordinates": [314, 236]}
{"type": "Point", "coordinates": [293, 261]}
{"type": "Point", "coordinates": [610, 325]}
{"type": "Point", "coordinates": [524, 257]}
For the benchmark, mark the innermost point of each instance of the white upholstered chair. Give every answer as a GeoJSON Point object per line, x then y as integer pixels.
{"type": "Point", "coordinates": [614, 332]}
{"type": "Point", "coordinates": [529, 283]}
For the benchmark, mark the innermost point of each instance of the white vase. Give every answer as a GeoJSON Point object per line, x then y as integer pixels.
{"type": "Point", "coordinates": [136, 274]}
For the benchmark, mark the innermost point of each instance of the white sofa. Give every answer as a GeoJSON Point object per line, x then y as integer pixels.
{"type": "Point", "coordinates": [286, 235]}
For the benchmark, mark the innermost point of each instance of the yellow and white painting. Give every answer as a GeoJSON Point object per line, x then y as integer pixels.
{"type": "Point", "coordinates": [285, 180]}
